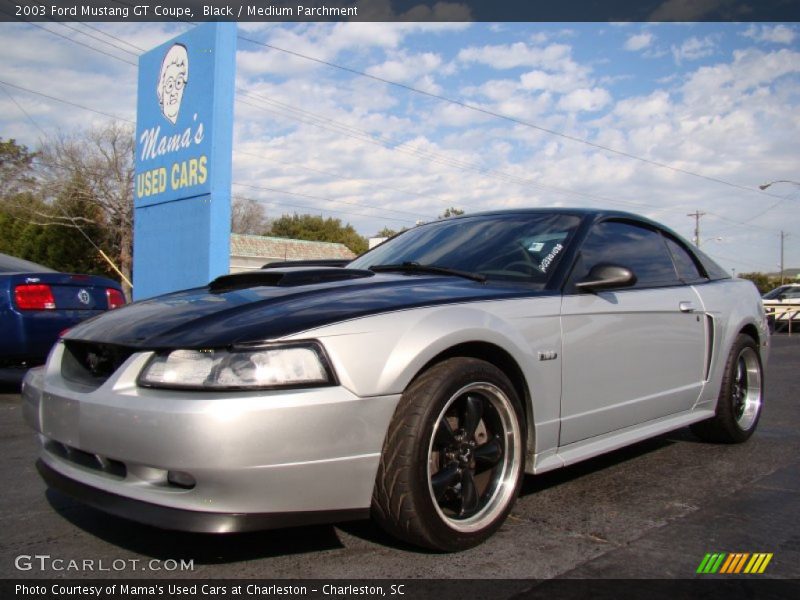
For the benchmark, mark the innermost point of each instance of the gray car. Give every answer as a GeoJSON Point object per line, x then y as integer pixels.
{"type": "Point", "coordinates": [417, 384]}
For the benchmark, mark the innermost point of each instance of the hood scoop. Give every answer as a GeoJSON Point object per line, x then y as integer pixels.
{"type": "Point", "coordinates": [286, 277]}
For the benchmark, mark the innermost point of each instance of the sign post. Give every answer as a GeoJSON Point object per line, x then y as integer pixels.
{"type": "Point", "coordinates": [182, 186]}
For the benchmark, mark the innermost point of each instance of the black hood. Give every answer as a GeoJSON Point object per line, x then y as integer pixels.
{"type": "Point", "coordinates": [251, 310]}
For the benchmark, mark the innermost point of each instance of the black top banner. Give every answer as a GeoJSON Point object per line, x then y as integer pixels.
{"type": "Point", "coordinates": [401, 10]}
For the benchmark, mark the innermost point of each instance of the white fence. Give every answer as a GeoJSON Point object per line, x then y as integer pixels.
{"type": "Point", "coordinates": [783, 317]}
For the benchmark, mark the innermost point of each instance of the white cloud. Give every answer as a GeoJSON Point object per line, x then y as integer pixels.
{"type": "Point", "coordinates": [554, 82]}
{"type": "Point", "coordinates": [407, 67]}
{"type": "Point", "coordinates": [642, 110]}
{"type": "Point", "coordinates": [777, 34]}
{"type": "Point", "coordinates": [511, 56]}
{"type": "Point", "coordinates": [727, 82]}
{"type": "Point", "coordinates": [693, 48]}
{"type": "Point", "coordinates": [585, 100]}
{"type": "Point", "coordinates": [639, 41]}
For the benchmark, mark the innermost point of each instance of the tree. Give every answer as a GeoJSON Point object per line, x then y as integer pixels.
{"type": "Point", "coordinates": [36, 230]}
{"type": "Point", "coordinates": [16, 164]}
{"type": "Point", "coordinates": [247, 216]}
{"type": "Point", "coordinates": [317, 228]}
{"type": "Point", "coordinates": [451, 212]}
{"type": "Point", "coordinates": [763, 282]}
{"type": "Point", "coordinates": [98, 167]}
{"type": "Point", "coordinates": [386, 232]}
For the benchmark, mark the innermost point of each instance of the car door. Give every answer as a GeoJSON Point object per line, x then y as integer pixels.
{"type": "Point", "coordinates": [629, 355]}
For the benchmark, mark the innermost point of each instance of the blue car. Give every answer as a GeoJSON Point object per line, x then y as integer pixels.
{"type": "Point", "coordinates": [37, 304]}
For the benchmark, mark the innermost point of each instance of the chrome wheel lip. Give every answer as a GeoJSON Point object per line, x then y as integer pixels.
{"type": "Point", "coordinates": [506, 480]}
{"type": "Point", "coordinates": [747, 391]}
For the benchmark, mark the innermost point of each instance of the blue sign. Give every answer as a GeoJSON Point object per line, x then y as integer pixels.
{"type": "Point", "coordinates": [184, 130]}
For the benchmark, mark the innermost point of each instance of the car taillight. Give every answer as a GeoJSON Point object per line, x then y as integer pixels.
{"type": "Point", "coordinates": [115, 298]}
{"type": "Point", "coordinates": [34, 296]}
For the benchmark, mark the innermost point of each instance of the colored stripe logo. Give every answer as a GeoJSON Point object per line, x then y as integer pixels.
{"type": "Point", "coordinates": [732, 563]}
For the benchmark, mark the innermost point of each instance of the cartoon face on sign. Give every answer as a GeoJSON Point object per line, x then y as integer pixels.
{"type": "Point", "coordinates": [172, 80]}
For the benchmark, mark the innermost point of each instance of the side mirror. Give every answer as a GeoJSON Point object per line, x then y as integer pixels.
{"type": "Point", "coordinates": [605, 276]}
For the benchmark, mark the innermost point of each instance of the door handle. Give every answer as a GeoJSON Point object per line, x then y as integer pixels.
{"type": "Point", "coordinates": [686, 306]}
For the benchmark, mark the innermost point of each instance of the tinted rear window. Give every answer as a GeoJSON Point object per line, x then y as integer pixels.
{"type": "Point", "coordinates": [688, 269]}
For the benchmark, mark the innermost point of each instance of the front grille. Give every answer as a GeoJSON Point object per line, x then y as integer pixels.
{"type": "Point", "coordinates": [95, 462]}
{"type": "Point", "coordinates": [90, 363]}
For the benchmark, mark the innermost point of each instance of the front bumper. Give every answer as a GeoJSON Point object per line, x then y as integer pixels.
{"type": "Point", "coordinates": [259, 459]}
{"type": "Point", "coordinates": [188, 520]}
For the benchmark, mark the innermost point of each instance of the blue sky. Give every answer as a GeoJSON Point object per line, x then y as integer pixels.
{"type": "Point", "coordinates": [719, 100]}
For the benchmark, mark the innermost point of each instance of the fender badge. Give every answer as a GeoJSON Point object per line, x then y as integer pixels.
{"type": "Point", "coordinates": [549, 355]}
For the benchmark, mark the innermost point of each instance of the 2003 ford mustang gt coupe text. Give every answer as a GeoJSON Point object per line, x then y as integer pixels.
{"type": "Point", "coordinates": [418, 383]}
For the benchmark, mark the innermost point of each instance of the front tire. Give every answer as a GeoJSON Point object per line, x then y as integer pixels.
{"type": "Point", "coordinates": [740, 398]}
{"type": "Point", "coordinates": [453, 458]}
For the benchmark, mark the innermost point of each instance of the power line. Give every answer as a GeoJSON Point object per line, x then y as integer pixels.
{"type": "Point", "coordinates": [23, 111]}
{"type": "Point", "coordinates": [113, 37]}
{"type": "Point", "coordinates": [433, 95]}
{"type": "Point", "coordinates": [364, 136]}
{"type": "Point", "coordinates": [94, 37]}
{"type": "Point", "coordinates": [497, 115]}
{"type": "Point", "coordinates": [445, 99]}
{"type": "Point", "coordinates": [448, 161]}
{"type": "Point", "coordinates": [69, 39]}
{"type": "Point", "coordinates": [75, 104]}
{"type": "Point", "coordinates": [330, 124]}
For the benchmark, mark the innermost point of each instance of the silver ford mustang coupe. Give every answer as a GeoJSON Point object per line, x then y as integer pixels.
{"type": "Point", "coordinates": [417, 384]}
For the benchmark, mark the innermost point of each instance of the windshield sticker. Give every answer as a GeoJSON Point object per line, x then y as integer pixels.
{"type": "Point", "coordinates": [547, 260]}
{"type": "Point", "coordinates": [536, 247]}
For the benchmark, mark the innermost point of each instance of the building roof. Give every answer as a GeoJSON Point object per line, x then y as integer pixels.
{"type": "Point", "coordinates": [261, 246]}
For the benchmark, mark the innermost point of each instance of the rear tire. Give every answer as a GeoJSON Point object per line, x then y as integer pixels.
{"type": "Point", "coordinates": [740, 399]}
{"type": "Point", "coordinates": [453, 458]}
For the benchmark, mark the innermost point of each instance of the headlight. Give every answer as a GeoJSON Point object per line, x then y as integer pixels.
{"type": "Point", "coordinates": [291, 365]}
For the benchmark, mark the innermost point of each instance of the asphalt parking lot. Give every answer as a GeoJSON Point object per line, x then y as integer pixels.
{"type": "Point", "coordinates": [652, 510]}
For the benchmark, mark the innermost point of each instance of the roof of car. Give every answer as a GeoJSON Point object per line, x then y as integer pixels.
{"type": "Point", "coordinates": [12, 264]}
{"type": "Point", "coordinates": [597, 212]}
{"type": "Point", "coordinates": [712, 268]}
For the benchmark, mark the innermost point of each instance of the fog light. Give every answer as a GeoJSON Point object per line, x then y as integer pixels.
{"type": "Point", "coordinates": [181, 479]}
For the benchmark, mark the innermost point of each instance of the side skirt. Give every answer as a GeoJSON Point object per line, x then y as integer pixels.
{"type": "Point", "coordinates": [589, 448]}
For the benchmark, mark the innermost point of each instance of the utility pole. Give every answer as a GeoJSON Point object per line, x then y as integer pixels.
{"type": "Point", "coordinates": [784, 235]}
{"type": "Point", "coordinates": [696, 214]}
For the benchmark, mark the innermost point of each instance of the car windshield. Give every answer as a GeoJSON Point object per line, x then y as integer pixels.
{"type": "Point", "coordinates": [522, 247]}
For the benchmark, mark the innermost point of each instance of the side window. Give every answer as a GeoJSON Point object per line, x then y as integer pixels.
{"type": "Point", "coordinates": [687, 268]}
{"type": "Point", "coordinates": [638, 248]}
